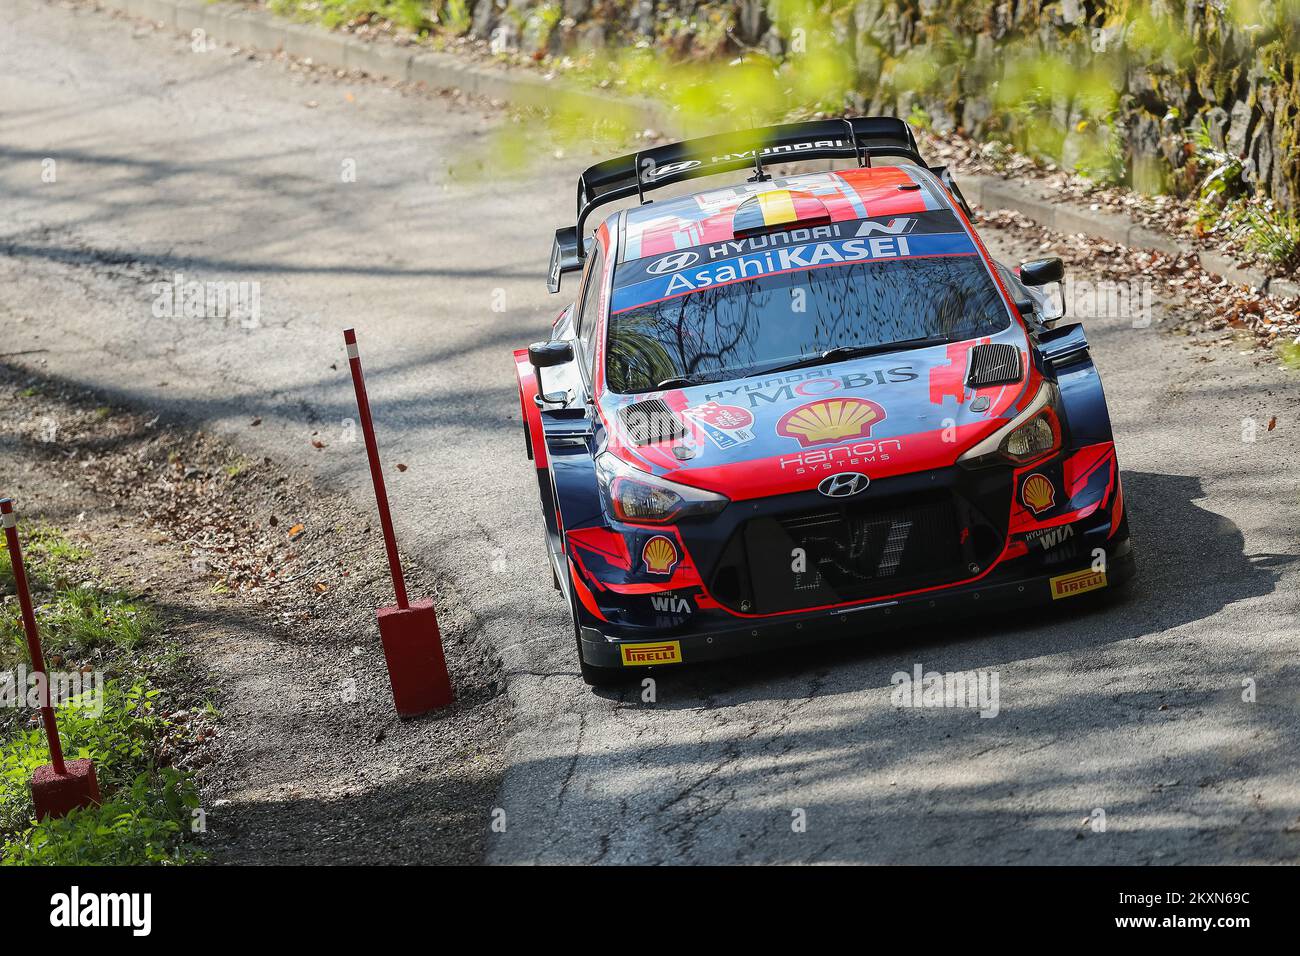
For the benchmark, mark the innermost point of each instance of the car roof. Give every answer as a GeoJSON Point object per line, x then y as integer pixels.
{"type": "Point", "coordinates": [709, 216]}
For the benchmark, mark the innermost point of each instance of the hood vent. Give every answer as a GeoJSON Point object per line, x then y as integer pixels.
{"type": "Point", "coordinates": [650, 421]}
{"type": "Point", "coordinates": [994, 364]}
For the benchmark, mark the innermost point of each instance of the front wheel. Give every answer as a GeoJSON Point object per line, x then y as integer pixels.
{"type": "Point", "coordinates": [600, 676]}
{"type": "Point", "coordinates": [592, 675]}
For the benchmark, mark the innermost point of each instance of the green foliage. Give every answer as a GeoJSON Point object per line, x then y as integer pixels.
{"type": "Point", "coordinates": [47, 554]}
{"type": "Point", "coordinates": [1224, 203]}
{"type": "Point", "coordinates": [237, 467]}
{"type": "Point", "coordinates": [143, 825]}
{"type": "Point", "coordinates": [454, 16]}
{"type": "Point", "coordinates": [147, 807]}
{"type": "Point", "coordinates": [1266, 231]}
{"type": "Point", "coordinates": [1100, 154]}
{"type": "Point", "coordinates": [1221, 183]}
{"type": "Point", "coordinates": [75, 619]}
{"type": "Point", "coordinates": [79, 620]}
{"type": "Point", "coordinates": [405, 13]}
{"type": "Point", "coordinates": [85, 618]}
{"type": "Point", "coordinates": [1289, 354]}
{"type": "Point", "coordinates": [121, 734]}
{"type": "Point", "coordinates": [1154, 34]}
{"type": "Point", "coordinates": [146, 814]}
{"type": "Point", "coordinates": [703, 95]}
{"type": "Point", "coordinates": [1059, 105]}
{"type": "Point", "coordinates": [919, 118]}
{"type": "Point", "coordinates": [1047, 83]}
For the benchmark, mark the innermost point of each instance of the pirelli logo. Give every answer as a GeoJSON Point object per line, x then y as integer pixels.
{"type": "Point", "coordinates": [1077, 582]}
{"type": "Point", "coordinates": [662, 652]}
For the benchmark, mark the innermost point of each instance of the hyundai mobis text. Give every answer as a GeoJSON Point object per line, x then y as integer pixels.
{"type": "Point", "coordinates": [794, 408]}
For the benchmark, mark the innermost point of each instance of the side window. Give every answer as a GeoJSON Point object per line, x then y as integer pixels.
{"type": "Point", "coordinates": [588, 318]}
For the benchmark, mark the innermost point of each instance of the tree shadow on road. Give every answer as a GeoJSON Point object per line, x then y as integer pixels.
{"type": "Point", "coordinates": [1191, 564]}
{"type": "Point", "coordinates": [1115, 706]}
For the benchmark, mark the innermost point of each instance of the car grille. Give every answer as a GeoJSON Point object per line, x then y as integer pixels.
{"type": "Point", "coordinates": [852, 553]}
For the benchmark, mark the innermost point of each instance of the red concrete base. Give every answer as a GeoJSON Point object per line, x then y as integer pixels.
{"type": "Point", "coordinates": [55, 795]}
{"type": "Point", "coordinates": [416, 667]}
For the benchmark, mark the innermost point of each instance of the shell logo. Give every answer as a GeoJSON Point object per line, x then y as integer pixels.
{"type": "Point", "coordinates": [659, 555]}
{"type": "Point", "coordinates": [830, 420]}
{"type": "Point", "coordinates": [1037, 493]}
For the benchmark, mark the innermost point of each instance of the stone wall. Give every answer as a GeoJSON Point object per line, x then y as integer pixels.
{"type": "Point", "coordinates": [1241, 80]}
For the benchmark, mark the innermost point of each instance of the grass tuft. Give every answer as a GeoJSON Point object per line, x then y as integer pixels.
{"type": "Point", "coordinates": [410, 14]}
{"type": "Point", "coordinates": [148, 806]}
{"type": "Point", "coordinates": [1267, 231]}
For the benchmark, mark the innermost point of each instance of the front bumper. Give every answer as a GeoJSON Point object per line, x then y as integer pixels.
{"type": "Point", "coordinates": [758, 635]}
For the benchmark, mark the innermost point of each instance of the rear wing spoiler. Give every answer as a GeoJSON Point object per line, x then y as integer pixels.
{"type": "Point", "coordinates": [638, 174]}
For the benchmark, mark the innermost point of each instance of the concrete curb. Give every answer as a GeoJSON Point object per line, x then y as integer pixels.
{"type": "Point", "coordinates": [245, 27]}
{"type": "Point", "coordinates": [992, 192]}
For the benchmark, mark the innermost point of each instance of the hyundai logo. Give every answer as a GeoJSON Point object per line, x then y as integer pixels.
{"type": "Point", "coordinates": [844, 485]}
{"type": "Point", "coordinates": [672, 263]}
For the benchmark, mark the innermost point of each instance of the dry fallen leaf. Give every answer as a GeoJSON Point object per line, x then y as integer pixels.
{"type": "Point", "coordinates": [317, 443]}
{"type": "Point", "coordinates": [1272, 423]}
{"type": "Point", "coordinates": [401, 467]}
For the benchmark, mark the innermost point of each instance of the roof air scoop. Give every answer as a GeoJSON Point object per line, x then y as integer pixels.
{"type": "Point", "coordinates": [776, 210]}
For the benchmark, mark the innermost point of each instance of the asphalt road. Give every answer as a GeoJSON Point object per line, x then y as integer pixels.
{"type": "Point", "coordinates": [224, 169]}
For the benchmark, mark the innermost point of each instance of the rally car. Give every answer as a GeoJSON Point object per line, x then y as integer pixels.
{"type": "Point", "coordinates": [790, 408]}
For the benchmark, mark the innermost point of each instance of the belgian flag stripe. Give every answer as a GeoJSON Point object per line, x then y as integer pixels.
{"type": "Point", "coordinates": [777, 206]}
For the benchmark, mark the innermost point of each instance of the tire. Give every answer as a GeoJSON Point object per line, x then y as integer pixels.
{"type": "Point", "coordinates": [601, 676]}
{"type": "Point", "coordinates": [592, 675]}
{"type": "Point", "coordinates": [1121, 592]}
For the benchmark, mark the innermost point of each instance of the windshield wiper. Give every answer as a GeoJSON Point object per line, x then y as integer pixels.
{"type": "Point", "coordinates": [838, 354]}
{"type": "Point", "coordinates": [680, 382]}
{"type": "Point", "coordinates": [843, 352]}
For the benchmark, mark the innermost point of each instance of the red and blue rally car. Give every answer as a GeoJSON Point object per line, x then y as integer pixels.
{"type": "Point", "coordinates": [786, 409]}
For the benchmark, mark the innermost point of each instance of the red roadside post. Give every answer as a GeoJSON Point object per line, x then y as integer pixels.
{"type": "Point", "coordinates": [409, 631]}
{"type": "Point", "coordinates": [57, 787]}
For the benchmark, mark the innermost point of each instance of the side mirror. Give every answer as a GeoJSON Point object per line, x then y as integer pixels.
{"type": "Point", "coordinates": [565, 256]}
{"type": "Point", "coordinates": [1042, 271]}
{"type": "Point", "coordinates": [1045, 272]}
{"type": "Point", "coordinates": [547, 355]}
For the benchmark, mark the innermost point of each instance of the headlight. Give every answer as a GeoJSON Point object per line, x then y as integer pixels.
{"type": "Point", "coordinates": [1035, 437]}
{"type": "Point", "coordinates": [1033, 433]}
{"type": "Point", "coordinates": [640, 498]}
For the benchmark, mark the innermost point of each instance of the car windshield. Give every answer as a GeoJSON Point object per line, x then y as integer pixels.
{"type": "Point", "coordinates": [742, 328]}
